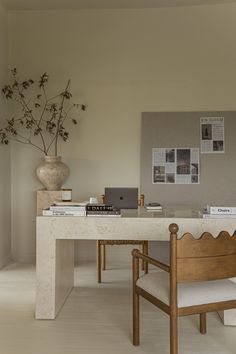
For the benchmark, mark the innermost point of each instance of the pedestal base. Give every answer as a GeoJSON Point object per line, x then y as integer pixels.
{"type": "Point", "coordinates": [46, 198]}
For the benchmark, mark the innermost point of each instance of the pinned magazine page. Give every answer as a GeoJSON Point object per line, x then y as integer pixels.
{"type": "Point", "coordinates": [175, 166]}
{"type": "Point", "coordinates": [212, 135]}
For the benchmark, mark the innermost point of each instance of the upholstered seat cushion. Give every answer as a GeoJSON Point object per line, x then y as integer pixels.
{"type": "Point", "coordinates": [189, 294]}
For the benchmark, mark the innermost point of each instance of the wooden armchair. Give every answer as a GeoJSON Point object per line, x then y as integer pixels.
{"type": "Point", "coordinates": [195, 282]}
{"type": "Point", "coordinates": [101, 246]}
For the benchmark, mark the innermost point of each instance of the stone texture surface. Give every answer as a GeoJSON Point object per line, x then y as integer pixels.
{"type": "Point", "coordinates": [55, 267]}
{"type": "Point", "coordinates": [46, 198]}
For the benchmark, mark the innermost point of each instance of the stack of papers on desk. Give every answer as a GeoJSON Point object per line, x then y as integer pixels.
{"type": "Point", "coordinates": [153, 206]}
{"type": "Point", "coordinates": [66, 209]}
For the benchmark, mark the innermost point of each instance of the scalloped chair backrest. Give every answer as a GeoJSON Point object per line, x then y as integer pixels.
{"type": "Point", "coordinates": [203, 259]}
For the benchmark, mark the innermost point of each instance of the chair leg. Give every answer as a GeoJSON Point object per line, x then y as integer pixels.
{"type": "Point", "coordinates": [99, 280]}
{"type": "Point", "coordinates": [142, 261]}
{"type": "Point", "coordinates": [135, 318]}
{"type": "Point", "coordinates": [103, 257]}
{"type": "Point", "coordinates": [203, 323]}
{"type": "Point", "coordinates": [145, 251]}
{"type": "Point", "coordinates": [173, 334]}
{"type": "Point", "coordinates": [135, 273]}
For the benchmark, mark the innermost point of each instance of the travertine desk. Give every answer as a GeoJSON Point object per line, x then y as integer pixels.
{"type": "Point", "coordinates": [55, 245]}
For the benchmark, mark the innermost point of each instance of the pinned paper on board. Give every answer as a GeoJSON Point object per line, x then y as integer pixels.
{"type": "Point", "coordinates": [175, 165]}
{"type": "Point", "coordinates": [212, 135]}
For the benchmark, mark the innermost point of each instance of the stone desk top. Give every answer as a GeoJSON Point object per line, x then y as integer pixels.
{"type": "Point", "coordinates": [133, 224]}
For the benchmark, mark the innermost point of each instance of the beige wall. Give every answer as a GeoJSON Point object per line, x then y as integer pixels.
{"type": "Point", "coordinates": [121, 62]}
{"type": "Point", "coordinates": [5, 195]}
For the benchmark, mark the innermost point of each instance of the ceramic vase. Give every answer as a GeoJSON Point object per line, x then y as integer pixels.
{"type": "Point", "coordinates": [52, 173]}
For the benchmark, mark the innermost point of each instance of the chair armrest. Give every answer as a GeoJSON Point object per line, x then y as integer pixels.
{"type": "Point", "coordinates": [137, 254]}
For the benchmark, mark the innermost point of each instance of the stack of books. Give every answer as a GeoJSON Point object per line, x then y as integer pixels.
{"type": "Point", "coordinates": [153, 206]}
{"type": "Point", "coordinates": [81, 209]}
{"type": "Point", "coordinates": [219, 212]}
{"type": "Point", "coordinates": [102, 210]}
{"type": "Point", "coordinates": [66, 209]}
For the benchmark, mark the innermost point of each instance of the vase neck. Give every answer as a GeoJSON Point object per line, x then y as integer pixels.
{"type": "Point", "coordinates": [49, 158]}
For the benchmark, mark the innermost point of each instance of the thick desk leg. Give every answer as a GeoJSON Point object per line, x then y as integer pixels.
{"type": "Point", "coordinates": [228, 317]}
{"type": "Point", "coordinates": [54, 275]}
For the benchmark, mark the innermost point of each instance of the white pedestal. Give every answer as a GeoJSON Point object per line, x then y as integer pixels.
{"type": "Point", "coordinates": [46, 198]}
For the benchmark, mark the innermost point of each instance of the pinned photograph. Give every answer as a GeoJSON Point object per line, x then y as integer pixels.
{"type": "Point", "coordinates": [206, 131]}
{"type": "Point", "coordinates": [218, 145]}
{"type": "Point", "coordinates": [194, 179]}
{"type": "Point", "coordinates": [170, 155]}
{"type": "Point", "coordinates": [194, 168]}
{"type": "Point", "coordinates": [170, 178]}
{"type": "Point", "coordinates": [183, 161]}
{"type": "Point", "coordinates": [159, 174]}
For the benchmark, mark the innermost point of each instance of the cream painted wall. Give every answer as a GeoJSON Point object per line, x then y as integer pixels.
{"type": "Point", "coordinates": [121, 62]}
{"type": "Point", "coordinates": [5, 185]}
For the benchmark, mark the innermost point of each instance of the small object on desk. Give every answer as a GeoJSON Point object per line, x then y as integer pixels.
{"type": "Point", "coordinates": [66, 194]}
{"type": "Point", "coordinates": [141, 200]}
{"type": "Point", "coordinates": [221, 210]}
{"type": "Point", "coordinates": [122, 197]}
{"type": "Point", "coordinates": [153, 206]}
{"type": "Point", "coordinates": [93, 200]}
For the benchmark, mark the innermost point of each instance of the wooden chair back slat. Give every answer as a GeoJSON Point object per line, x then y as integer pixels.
{"type": "Point", "coordinates": [206, 245]}
{"type": "Point", "coordinates": [207, 268]}
{"type": "Point", "coordinates": [203, 259]}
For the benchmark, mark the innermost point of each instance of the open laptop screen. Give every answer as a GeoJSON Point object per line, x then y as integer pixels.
{"type": "Point", "coordinates": [123, 198]}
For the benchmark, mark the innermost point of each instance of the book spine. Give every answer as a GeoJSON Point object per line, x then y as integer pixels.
{"type": "Point", "coordinates": [103, 212]}
{"type": "Point", "coordinates": [65, 213]}
{"type": "Point", "coordinates": [60, 203]}
{"type": "Point", "coordinates": [99, 207]}
{"type": "Point", "coordinates": [104, 215]}
{"type": "Point", "coordinates": [67, 208]}
{"type": "Point", "coordinates": [222, 210]}
{"type": "Point", "coordinates": [218, 216]}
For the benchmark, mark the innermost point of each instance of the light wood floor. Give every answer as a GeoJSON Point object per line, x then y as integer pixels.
{"type": "Point", "coordinates": [96, 319]}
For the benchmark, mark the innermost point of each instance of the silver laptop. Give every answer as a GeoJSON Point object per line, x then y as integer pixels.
{"type": "Point", "coordinates": [122, 198]}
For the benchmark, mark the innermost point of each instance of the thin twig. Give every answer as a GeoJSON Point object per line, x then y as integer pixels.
{"type": "Point", "coordinates": [32, 117]}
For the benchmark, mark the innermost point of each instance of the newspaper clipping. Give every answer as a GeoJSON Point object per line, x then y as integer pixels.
{"type": "Point", "coordinates": [175, 165]}
{"type": "Point", "coordinates": [212, 135]}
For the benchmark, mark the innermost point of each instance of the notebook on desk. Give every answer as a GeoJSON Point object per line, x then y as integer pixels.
{"type": "Point", "coordinates": [122, 198]}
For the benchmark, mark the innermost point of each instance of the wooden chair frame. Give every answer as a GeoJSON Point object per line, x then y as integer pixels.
{"type": "Point", "coordinates": [101, 253]}
{"type": "Point", "coordinates": [101, 246]}
{"type": "Point", "coordinates": [190, 260]}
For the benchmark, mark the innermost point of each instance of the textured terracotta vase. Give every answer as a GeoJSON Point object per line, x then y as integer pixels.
{"type": "Point", "coordinates": [52, 173]}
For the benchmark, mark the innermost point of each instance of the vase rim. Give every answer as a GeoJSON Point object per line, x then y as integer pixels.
{"type": "Point", "coordinates": [52, 158]}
